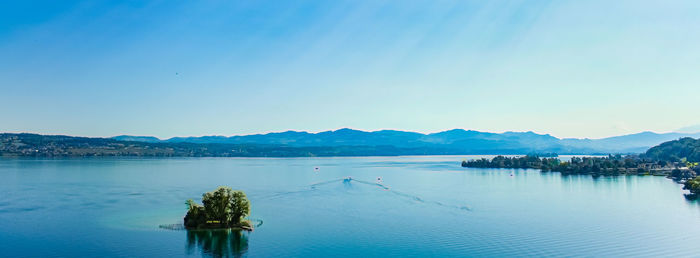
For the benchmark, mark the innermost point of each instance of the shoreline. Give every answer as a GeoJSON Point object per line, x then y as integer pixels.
{"type": "Point", "coordinates": [21, 157]}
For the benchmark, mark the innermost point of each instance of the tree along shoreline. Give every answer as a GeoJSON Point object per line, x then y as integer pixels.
{"type": "Point", "coordinates": [612, 165]}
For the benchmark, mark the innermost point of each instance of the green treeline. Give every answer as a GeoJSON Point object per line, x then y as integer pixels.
{"type": "Point", "coordinates": [611, 165]}
{"type": "Point", "coordinates": [693, 185]}
{"type": "Point", "coordinates": [681, 150]}
{"type": "Point", "coordinates": [678, 159]}
{"type": "Point", "coordinates": [684, 172]}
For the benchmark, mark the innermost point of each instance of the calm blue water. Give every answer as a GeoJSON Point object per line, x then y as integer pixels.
{"type": "Point", "coordinates": [433, 207]}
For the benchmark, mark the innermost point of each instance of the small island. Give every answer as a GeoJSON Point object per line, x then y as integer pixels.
{"type": "Point", "coordinates": [222, 208]}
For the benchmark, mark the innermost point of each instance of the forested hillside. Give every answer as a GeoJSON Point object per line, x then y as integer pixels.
{"type": "Point", "coordinates": [685, 149]}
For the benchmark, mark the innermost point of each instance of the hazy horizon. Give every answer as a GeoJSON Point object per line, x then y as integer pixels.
{"type": "Point", "coordinates": [680, 131]}
{"type": "Point", "coordinates": [571, 69]}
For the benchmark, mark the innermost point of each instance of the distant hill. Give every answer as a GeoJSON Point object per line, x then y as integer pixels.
{"type": "Point", "coordinates": [344, 142]}
{"type": "Point", "coordinates": [687, 149]}
{"type": "Point", "coordinates": [34, 145]}
{"type": "Point", "coordinates": [689, 129]}
{"type": "Point", "coordinates": [457, 141]}
{"type": "Point", "coordinates": [631, 143]}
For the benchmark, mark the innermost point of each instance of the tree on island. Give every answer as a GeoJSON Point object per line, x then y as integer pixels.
{"type": "Point", "coordinates": [222, 208]}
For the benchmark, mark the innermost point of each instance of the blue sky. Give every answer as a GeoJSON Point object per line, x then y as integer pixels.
{"type": "Point", "coordinates": [177, 68]}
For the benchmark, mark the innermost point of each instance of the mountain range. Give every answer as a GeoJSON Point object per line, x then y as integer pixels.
{"type": "Point", "coordinates": [456, 141]}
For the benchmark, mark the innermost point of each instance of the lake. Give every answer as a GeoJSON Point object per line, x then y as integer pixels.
{"type": "Point", "coordinates": [430, 207]}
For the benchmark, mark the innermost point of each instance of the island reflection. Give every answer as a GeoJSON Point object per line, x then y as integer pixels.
{"type": "Point", "coordinates": [217, 243]}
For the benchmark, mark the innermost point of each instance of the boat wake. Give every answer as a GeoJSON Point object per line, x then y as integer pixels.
{"type": "Point", "coordinates": [412, 197]}
{"type": "Point", "coordinates": [349, 180]}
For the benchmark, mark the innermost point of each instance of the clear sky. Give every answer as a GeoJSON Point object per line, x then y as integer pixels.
{"type": "Point", "coordinates": [179, 68]}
